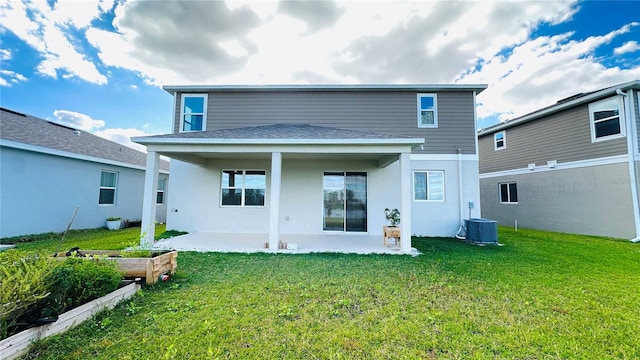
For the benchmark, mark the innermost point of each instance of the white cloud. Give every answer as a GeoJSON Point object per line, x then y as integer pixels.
{"type": "Point", "coordinates": [123, 136]}
{"type": "Point", "coordinates": [78, 120]}
{"type": "Point", "coordinates": [541, 71]}
{"type": "Point", "coordinates": [87, 123]}
{"type": "Point", "coordinates": [5, 54]}
{"type": "Point", "coordinates": [8, 78]}
{"type": "Point", "coordinates": [48, 30]}
{"type": "Point", "coordinates": [628, 47]}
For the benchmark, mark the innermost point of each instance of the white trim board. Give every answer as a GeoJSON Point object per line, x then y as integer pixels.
{"type": "Point", "coordinates": [442, 157]}
{"type": "Point", "coordinates": [618, 159]}
{"type": "Point", "coordinates": [67, 154]}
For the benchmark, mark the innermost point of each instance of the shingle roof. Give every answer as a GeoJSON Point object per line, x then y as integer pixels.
{"type": "Point", "coordinates": [278, 132]}
{"type": "Point", "coordinates": [34, 131]}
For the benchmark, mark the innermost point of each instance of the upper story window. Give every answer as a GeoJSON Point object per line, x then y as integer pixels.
{"type": "Point", "coordinates": [605, 119]}
{"type": "Point", "coordinates": [108, 185]}
{"type": "Point", "coordinates": [428, 186]}
{"type": "Point", "coordinates": [499, 140]}
{"type": "Point", "coordinates": [162, 183]}
{"type": "Point", "coordinates": [243, 187]}
{"type": "Point", "coordinates": [193, 114]}
{"type": "Point", "coordinates": [427, 110]}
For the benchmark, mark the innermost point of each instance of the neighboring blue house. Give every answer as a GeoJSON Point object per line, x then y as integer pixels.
{"type": "Point", "coordinates": [48, 169]}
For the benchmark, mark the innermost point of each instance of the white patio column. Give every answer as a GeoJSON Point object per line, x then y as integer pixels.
{"type": "Point", "coordinates": [405, 202]}
{"type": "Point", "coordinates": [149, 199]}
{"type": "Point", "coordinates": [274, 205]}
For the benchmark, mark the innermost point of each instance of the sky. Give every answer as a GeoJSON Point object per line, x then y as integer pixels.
{"type": "Point", "coordinates": [99, 65]}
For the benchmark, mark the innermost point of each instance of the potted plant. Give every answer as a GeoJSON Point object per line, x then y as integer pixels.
{"type": "Point", "coordinates": [392, 231]}
{"type": "Point", "coordinates": [114, 222]}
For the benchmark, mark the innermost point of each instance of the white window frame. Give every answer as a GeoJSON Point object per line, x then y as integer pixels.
{"type": "Point", "coordinates": [508, 202]}
{"type": "Point", "coordinates": [504, 140]}
{"type": "Point", "coordinates": [621, 120]}
{"type": "Point", "coordinates": [243, 188]}
{"type": "Point", "coordinates": [435, 110]}
{"type": "Point", "coordinates": [444, 186]}
{"type": "Point", "coordinates": [114, 188]}
{"type": "Point", "coordinates": [205, 98]}
{"type": "Point", "coordinates": [164, 187]}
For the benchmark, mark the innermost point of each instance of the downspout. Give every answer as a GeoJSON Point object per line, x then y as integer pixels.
{"type": "Point", "coordinates": [462, 232]}
{"type": "Point", "coordinates": [629, 114]}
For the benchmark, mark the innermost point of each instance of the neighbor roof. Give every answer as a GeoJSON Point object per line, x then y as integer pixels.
{"type": "Point", "coordinates": [562, 104]}
{"type": "Point", "coordinates": [279, 134]}
{"type": "Point", "coordinates": [39, 133]}
{"type": "Point", "coordinates": [172, 89]}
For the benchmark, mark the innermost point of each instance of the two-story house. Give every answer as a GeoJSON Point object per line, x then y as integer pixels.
{"type": "Point", "coordinates": [285, 161]}
{"type": "Point", "coordinates": [48, 170]}
{"type": "Point", "coordinates": [570, 167]}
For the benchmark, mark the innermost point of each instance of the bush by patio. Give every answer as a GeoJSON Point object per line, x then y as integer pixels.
{"type": "Point", "coordinates": [36, 288]}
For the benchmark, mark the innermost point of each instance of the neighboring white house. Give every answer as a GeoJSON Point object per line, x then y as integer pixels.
{"type": "Point", "coordinates": [48, 169]}
{"type": "Point", "coordinates": [318, 160]}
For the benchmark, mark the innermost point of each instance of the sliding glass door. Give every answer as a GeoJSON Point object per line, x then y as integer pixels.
{"type": "Point", "coordinates": [345, 201]}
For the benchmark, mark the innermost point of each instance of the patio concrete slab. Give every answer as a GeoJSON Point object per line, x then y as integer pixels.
{"type": "Point", "coordinates": [297, 243]}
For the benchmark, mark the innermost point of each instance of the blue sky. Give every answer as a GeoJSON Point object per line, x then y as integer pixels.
{"type": "Point", "coordinates": [99, 64]}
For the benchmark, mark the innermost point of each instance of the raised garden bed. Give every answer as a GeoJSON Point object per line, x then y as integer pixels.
{"type": "Point", "coordinates": [18, 344]}
{"type": "Point", "coordinates": [147, 268]}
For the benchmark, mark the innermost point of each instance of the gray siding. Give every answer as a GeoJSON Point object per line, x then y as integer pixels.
{"type": "Point", "coordinates": [563, 136]}
{"type": "Point", "coordinates": [593, 200]}
{"type": "Point", "coordinates": [390, 112]}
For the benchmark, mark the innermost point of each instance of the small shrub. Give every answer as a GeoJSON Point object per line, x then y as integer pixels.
{"type": "Point", "coordinates": [136, 253]}
{"type": "Point", "coordinates": [23, 284]}
{"type": "Point", "coordinates": [77, 281]}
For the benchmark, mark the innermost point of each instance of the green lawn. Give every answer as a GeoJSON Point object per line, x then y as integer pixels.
{"type": "Point", "coordinates": [542, 295]}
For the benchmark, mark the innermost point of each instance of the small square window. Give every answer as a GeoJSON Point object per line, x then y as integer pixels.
{"type": "Point", "coordinates": [243, 187]}
{"type": "Point", "coordinates": [500, 140]}
{"type": "Point", "coordinates": [508, 193]}
{"type": "Point", "coordinates": [427, 110]}
{"type": "Point", "coordinates": [605, 119]}
{"type": "Point", "coordinates": [428, 186]}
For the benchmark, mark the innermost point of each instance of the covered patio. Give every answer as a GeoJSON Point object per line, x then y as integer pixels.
{"type": "Point", "coordinates": [275, 146]}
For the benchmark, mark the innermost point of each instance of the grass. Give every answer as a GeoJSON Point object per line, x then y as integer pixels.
{"type": "Point", "coordinates": [542, 295]}
{"type": "Point", "coordinates": [91, 239]}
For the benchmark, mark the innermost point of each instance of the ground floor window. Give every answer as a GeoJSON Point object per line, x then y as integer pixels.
{"type": "Point", "coordinates": [108, 185]}
{"type": "Point", "coordinates": [160, 194]}
{"type": "Point", "coordinates": [243, 187]}
{"type": "Point", "coordinates": [345, 201]}
{"type": "Point", "coordinates": [508, 193]}
{"type": "Point", "coordinates": [428, 185]}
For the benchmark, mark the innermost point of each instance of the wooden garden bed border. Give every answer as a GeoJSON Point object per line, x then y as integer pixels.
{"type": "Point", "coordinates": [18, 344]}
{"type": "Point", "coordinates": [147, 268]}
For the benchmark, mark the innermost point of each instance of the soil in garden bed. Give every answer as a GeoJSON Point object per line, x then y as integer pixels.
{"type": "Point", "coordinates": [77, 252]}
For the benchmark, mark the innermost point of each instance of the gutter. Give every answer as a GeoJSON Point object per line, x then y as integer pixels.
{"type": "Point", "coordinates": [630, 114]}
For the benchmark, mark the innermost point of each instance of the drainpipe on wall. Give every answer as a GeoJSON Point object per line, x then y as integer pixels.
{"type": "Point", "coordinates": [461, 234]}
{"type": "Point", "coordinates": [629, 114]}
